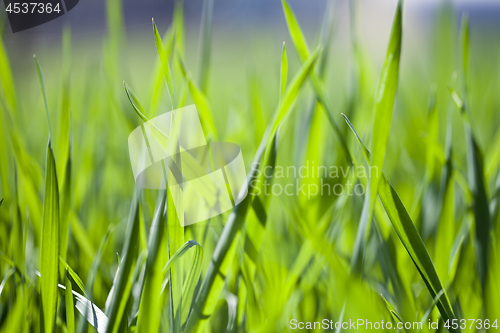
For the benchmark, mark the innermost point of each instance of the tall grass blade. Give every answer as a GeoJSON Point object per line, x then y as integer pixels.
{"type": "Point", "coordinates": [123, 284]}
{"type": "Point", "coordinates": [44, 94]}
{"type": "Point", "coordinates": [382, 117]}
{"type": "Point", "coordinates": [163, 55]}
{"type": "Point", "coordinates": [475, 168]}
{"type": "Point", "coordinates": [148, 319]}
{"type": "Point", "coordinates": [212, 284]}
{"type": "Point", "coordinates": [303, 51]}
{"type": "Point", "coordinates": [49, 248]}
{"type": "Point", "coordinates": [70, 311]}
{"type": "Point", "coordinates": [410, 238]}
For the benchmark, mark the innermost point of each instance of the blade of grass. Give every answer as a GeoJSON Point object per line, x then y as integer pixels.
{"type": "Point", "coordinates": [148, 319]}
{"type": "Point", "coordinates": [393, 312]}
{"type": "Point", "coordinates": [90, 311]}
{"type": "Point", "coordinates": [475, 168]}
{"type": "Point", "coordinates": [382, 116]}
{"type": "Point", "coordinates": [65, 203]}
{"type": "Point", "coordinates": [70, 272]}
{"type": "Point", "coordinates": [49, 248]}
{"type": "Point", "coordinates": [162, 54]}
{"type": "Point", "coordinates": [199, 98]}
{"type": "Point", "coordinates": [212, 284]}
{"type": "Point", "coordinates": [283, 71]}
{"type": "Point", "coordinates": [123, 284]}
{"type": "Point", "coordinates": [70, 311]}
{"type": "Point", "coordinates": [303, 51]}
{"type": "Point", "coordinates": [410, 238]}
{"type": "Point", "coordinates": [44, 94]}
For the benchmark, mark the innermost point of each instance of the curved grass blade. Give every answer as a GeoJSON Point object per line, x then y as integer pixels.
{"type": "Point", "coordinates": [164, 64]}
{"type": "Point", "coordinates": [49, 253]}
{"type": "Point", "coordinates": [193, 273]}
{"type": "Point", "coordinates": [410, 238]}
{"type": "Point", "coordinates": [199, 98]}
{"type": "Point", "coordinates": [384, 104]}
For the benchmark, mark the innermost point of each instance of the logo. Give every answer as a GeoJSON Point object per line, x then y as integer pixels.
{"type": "Point", "coordinates": [205, 179]}
{"type": "Point", "coordinates": [28, 14]}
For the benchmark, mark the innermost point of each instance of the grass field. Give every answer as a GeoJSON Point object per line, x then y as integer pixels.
{"type": "Point", "coordinates": [317, 237]}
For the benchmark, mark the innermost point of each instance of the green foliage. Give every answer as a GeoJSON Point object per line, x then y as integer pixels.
{"type": "Point", "coordinates": [94, 253]}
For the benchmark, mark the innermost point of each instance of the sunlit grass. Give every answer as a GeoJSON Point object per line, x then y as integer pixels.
{"type": "Point", "coordinates": [83, 249]}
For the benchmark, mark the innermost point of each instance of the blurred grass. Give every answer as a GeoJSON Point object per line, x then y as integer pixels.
{"type": "Point", "coordinates": [70, 211]}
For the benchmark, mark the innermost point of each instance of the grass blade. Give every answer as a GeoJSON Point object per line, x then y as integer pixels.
{"type": "Point", "coordinates": [384, 104]}
{"type": "Point", "coordinates": [70, 311]}
{"type": "Point", "coordinates": [42, 86]}
{"type": "Point", "coordinates": [164, 65]}
{"type": "Point", "coordinates": [212, 284]}
{"type": "Point", "coordinates": [49, 252]}
{"type": "Point", "coordinates": [283, 71]}
{"type": "Point", "coordinates": [303, 51]}
{"type": "Point", "coordinates": [475, 169]}
{"type": "Point", "coordinates": [409, 236]}
{"type": "Point", "coordinates": [123, 283]}
{"type": "Point", "coordinates": [148, 319]}
{"type": "Point", "coordinates": [90, 311]}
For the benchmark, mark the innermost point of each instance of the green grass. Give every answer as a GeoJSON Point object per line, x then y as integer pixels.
{"type": "Point", "coordinates": [82, 249]}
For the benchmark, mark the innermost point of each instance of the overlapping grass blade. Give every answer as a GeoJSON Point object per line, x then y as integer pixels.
{"type": "Point", "coordinates": [49, 245]}
{"type": "Point", "coordinates": [89, 310]}
{"type": "Point", "coordinates": [193, 273]}
{"type": "Point", "coordinates": [49, 248]}
{"type": "Point", "coordinates": [148, 319]}
{"type": "Point", "coordinates": [199, 98]}
{"type": "Point", "coordinates": [212, 284]}
{"type": "Point", "coordinates": [123, 284]}
{"type": "Point", "coordinates": [409, 236]}
{"type": "Point", "coordinates": [475, 168]}
{"type": "Point", "coordinates": [303, 51]}
{"type": "Point", "coordinates": [382, 117]}
{"type": "Point", "coordinates": [163, 55]}
{"type": "Point", "coordinates": [71, 273]}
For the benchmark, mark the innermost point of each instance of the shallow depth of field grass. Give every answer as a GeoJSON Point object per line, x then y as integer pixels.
{"type": "Point", "coordinates": [82, 249]}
